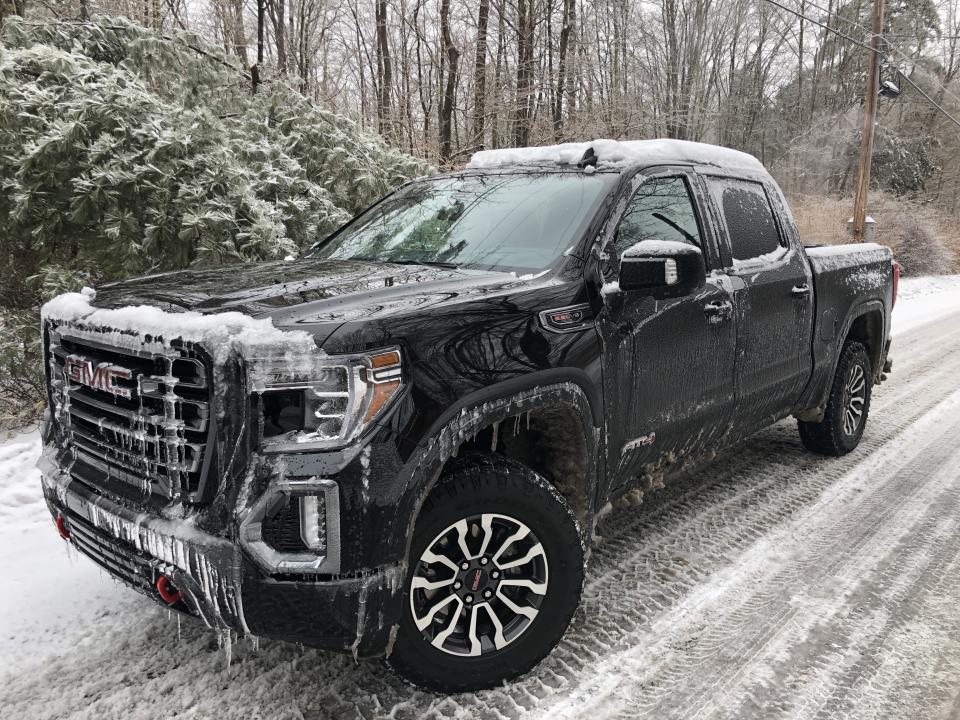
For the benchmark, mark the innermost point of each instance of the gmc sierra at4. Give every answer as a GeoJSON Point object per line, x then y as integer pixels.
{"type": "Point", "coordinates": [399, 444]}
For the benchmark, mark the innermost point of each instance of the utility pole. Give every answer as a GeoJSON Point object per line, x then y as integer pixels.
{"type": "Point", "coordinates": [869, 113]}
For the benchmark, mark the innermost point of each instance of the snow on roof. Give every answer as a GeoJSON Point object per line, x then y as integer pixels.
{"type": "Point", "coordinates": [619, 154]}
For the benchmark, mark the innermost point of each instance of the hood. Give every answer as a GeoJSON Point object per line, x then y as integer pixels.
{"type": "Point", "coordinates": [307, 294]}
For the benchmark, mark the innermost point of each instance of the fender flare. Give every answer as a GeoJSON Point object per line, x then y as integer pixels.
{"type": "Point", "coordinates": [856, 312]}
{"type": "Point", "coordinates": [489, 406]}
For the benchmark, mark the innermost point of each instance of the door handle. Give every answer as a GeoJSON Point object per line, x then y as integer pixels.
{"type": "Point", "coordinates": [717, 310]}
{"type": "Point", "coordinates": [800, 291]}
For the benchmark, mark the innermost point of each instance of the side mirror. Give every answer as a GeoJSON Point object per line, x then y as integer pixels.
{"type": "Point", "coordinates": [662, 268]}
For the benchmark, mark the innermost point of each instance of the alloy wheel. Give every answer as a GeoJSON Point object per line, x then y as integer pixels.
{"type": "Point", "coordinates": [479, 585]}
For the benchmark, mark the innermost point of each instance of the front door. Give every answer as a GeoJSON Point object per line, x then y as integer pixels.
{"type": "Point", "coordinates": [668, 364]}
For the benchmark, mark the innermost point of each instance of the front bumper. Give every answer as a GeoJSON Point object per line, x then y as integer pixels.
{"type": "Point", "coordinates": [217, 580]}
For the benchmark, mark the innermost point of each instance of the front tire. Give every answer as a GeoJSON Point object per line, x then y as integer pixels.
{"type": "Point", "coordinates": [496, 571]}
{"type": "Point", "coordinates": [847, 408]}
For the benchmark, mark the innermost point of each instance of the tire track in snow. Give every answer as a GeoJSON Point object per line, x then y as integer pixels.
{"type": "Point", "coordinates": [727, 619]}
{"type": "Point", "coordinates": [743, 591]}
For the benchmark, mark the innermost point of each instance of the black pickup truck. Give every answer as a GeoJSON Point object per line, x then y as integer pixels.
{"type": "Point", "coordinates": [399, 444]}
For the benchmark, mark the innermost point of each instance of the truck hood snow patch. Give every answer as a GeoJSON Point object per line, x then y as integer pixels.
{"type": "Point", "coordinates": [141, 326]}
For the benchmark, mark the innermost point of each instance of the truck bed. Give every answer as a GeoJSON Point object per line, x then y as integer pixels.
{"type": "Point", "coordinates": [848, 280]}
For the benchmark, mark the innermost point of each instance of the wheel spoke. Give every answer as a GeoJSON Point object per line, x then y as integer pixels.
{"type": "Point", "coordinates": [462, 530]}
{"type": "Point", "coordinates": [518, 535]}
{"type": "Point", "coordinates": [421, 583]}
{"type": "Point", "coordinates": [475, 646]}
{"type": "Point", "coordinates": [849, 422]}
{"type": "Point", "coordinates": [486, 524]}
{"type": "Point", "coordinates": [528, 612]}
{"type": "Point", "coordinates": [535, 551]}
{"type": "Point", "coordinates": [538, 588]}
{"type": "Point", "coordinates": [441, 637]}
{"type": "Point", "coordinates": [431, 557]}
{"type": "Point", "coordinates": [424, 622]}
{"type": "Point", "coordinates": [499, 640]}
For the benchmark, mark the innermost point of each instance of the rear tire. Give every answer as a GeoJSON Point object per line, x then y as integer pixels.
{"type": "Point", "coordinates": [847, 408]}
{"type": "Point", "coordinates": [522, 543]}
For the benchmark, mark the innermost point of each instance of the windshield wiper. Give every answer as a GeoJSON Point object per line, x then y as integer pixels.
{"type": "Point", "coordinates": [431, 263]}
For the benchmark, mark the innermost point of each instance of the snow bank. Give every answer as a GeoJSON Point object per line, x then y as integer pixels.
{"type": "Point", "coordinates": [219, 333]}
{"type": "Point", "coordinates": [925, 300]}
{"type": "Point", "coordinates": [615, 154]}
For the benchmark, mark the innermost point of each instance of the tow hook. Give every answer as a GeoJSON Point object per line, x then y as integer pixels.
{"type": "Point", "coordinates": [62, 527]}
{"type": "Point", "coordinates": [168, 591]}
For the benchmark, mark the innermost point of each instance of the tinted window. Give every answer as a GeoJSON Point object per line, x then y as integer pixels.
{"type": "Point", "coordinates": [661, 209]}
{"type": "Point", "coordinates": [512, 222]}
{"type": "Point", "coordinates": [750, 222]}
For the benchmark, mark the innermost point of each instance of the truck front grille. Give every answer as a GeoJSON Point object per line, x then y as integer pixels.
{"type": "Point", "coordinates": [135, 420]}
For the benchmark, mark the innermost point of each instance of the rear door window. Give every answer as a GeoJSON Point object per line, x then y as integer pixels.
{"type": "Point", "coordinates": [750, 222]}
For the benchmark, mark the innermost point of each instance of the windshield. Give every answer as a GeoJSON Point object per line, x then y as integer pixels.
{"type": "Point", "coordinates": [486, 222]}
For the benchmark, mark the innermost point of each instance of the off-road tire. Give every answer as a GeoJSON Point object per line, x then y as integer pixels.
{"type": "Point", "coordinates": [829, 436]}
{"type": "Point", "coordinates": [492, 484]}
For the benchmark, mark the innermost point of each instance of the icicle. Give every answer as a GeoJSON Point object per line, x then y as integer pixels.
{"type": "Point", "coordinates": [495, 431]}
{"type": "Point", "coordinates": [225, 641]}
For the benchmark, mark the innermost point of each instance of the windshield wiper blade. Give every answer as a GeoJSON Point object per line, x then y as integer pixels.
{"type": "Point", "coordinates": [431, 263]}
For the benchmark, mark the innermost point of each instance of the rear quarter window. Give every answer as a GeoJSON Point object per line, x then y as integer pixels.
{"type": "Point", "coordinates": [749, 217]}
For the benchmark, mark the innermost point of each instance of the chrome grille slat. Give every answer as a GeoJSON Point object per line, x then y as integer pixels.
{"type": "Point", "coordinates": [132, 437]}
{"type": "Point", "coordinates": [155, 417]}
{"type": "Point", "coordinates": [133, 476]}
{"type": "Point", "coordinates": [112, 454]}
{"type": "Point", "coordinates": [148, 426]}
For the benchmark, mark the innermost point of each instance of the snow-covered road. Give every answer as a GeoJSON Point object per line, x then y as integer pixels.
{"type": "Point", "coordinates": [773, 584]}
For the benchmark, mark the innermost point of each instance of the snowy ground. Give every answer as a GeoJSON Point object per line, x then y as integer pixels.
{"type": "Point", "coordinates": [773, 584]}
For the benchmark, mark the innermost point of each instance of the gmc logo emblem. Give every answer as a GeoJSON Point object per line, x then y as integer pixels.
{"type": "Point", "coordinates": [100, 377]}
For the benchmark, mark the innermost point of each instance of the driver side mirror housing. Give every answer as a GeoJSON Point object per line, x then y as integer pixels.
{"type": "Point", "coordinates": [662, 268]}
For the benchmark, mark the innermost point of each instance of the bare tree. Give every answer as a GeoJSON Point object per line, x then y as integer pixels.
{"type": "Point", "coordinates": [446, 104]}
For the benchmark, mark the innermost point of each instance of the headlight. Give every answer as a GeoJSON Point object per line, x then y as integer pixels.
{"type": "Point", "coordinates": [327, 404]}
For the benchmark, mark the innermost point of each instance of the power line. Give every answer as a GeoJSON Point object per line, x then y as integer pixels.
{"type": "Point", "coordinates": [880, 53]}
{"type": "Point", "coordinates": [824, 26]}
{"type": "Point", "coordinates": [895, 49]}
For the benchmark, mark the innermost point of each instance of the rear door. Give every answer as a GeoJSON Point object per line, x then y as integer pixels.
{"type": "Point", "coordinates": [668, 364]}
{"type": "Point", "coordinates": [773, 300]}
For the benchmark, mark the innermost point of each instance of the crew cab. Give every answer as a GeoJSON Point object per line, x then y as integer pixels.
{"type": "Point", "coordinates": [398, 445]}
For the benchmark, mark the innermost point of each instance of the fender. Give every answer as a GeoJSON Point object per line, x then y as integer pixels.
{"type": "Point", "coordinates": [540, 380]}
{"type": "Point", "coordinates": [490, 406]}
{"type": "Point", "coordinates": [856, 312]}
{"type": "Point", "coordinates": [821, 381]}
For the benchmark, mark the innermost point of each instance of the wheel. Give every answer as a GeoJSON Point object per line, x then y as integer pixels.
{"type": "Point", "coordinates": [495, 576]}
{"type": "Point", "coordinates": [847, 408]}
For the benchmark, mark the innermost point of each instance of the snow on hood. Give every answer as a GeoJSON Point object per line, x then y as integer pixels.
{"type": "Point", "coordinates": [220, 333]}
{"type": "Point", "coordinates": [618, 154]}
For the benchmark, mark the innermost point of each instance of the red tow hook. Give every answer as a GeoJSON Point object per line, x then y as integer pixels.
{"type": "Point", "coordinates": [62, 527]}
{"type": "Point", "coordinates": [168, 591]}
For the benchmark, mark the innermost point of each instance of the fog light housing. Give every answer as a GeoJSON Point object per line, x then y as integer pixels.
{"type": "Point", "coordinates": [295, 528]}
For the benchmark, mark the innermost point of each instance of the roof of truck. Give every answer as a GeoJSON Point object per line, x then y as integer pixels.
{"type": "Point", "coordinates": [618, 154]}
